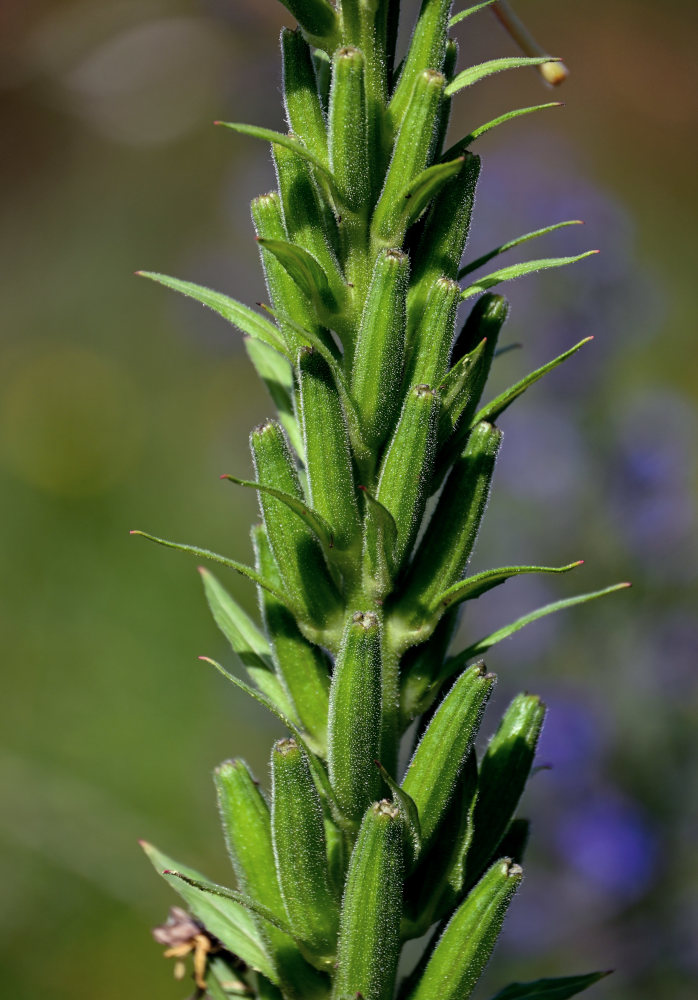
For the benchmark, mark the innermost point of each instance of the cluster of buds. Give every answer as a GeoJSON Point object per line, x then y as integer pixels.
{"type": "Point", "coordinates": [373, 480]}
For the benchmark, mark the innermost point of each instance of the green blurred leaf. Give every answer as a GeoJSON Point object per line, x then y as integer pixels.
{"type": "Point", "coordinates": [519, 270]}
{"type": "Point", "coordinates": [475, 73]}
{"type": "Point", "coordinates": [241, 316]}
{"type": "Point", "coordinates": [225, 919]}
{"type": "Point", "coordinates": [475, 264]}
{"type": "Point", "coordinates": [550, 989]}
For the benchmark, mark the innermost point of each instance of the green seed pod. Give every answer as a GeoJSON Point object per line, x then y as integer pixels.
{"type": "Point", "coordinates": [485, 320]}
{"type": "Point", "coordinates": [300, 851]}
{"type": "Point", "coordinates": [443, 240]}
{"type": "Point", "coordinates": [323, 74]}
{"type": "Point", "coordinates": [376, 372]}
{"type": "Point", "coordinates": [410, 157]}
{"type": "Point", "coordinates": [442, 557]}
{"type": "Point", "coordinates": [355, 716]}
{"type": "Point", "coordinates": [247, 827]}
{"type": "Point", "coordinates": [296, 550]}
{"type": "Point", "coordinates": [427, 51]}
{"type": "Point", "coordinates": [331, 487]}
{"type": "Point", "coordinates": [407, 464]}
{"type": "Point", "coordinates": [284, 294]}
{"type": "Point", "coordinates": [304, 217]}
{"type": "Point", "coordinates": [503, 774]}
{"type": "Point", "coordinates": [444, 748]}
{"type": "Point", "coordinates": [303, 668]}
{"type": "Point", "coordinates": [348, 130]}
{"type": "Point", "coordinates": [434, 335]}
{"type": "Point", "coordinates": [470, 936]}
{"type": "Point", "coordinates": [301, 98]}
{"type": "Point", "coordinates": [369, 935]}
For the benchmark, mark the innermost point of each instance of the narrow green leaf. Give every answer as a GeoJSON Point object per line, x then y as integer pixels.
{"type": "Point", "coordinates": [300, 852]}
{"type": "Point", "coordinates": [457, 388]}
{"type": "Point", "coordinates": [369, 936]}
{"type": "Point", "coordinates": [469, 938]}
{"type": "Point", "coordinates": [227, 920]}
{"type": "Point", "coordinates": [475, 586]}
{"type": "Point", "coordinates": [482, 645]}
{"type": "Point", "coordinates": [519, 270]}
{"type": "Point", "coordinates": [466, 142]}
{"type": "Point", "coordinates": [476, 73]}
{"type": "Point", "coordinates": [457, 18]}
{"type": "Point", "coordinates": [240, 568]}
{"type": "Point", "coordinates": [353, 734]}
{"type": "Point", "coordinates": [221, 892]}
{"type": "Point", "coordinates": [408, 811]}
{"type": "Point", "coordinates": [436, 765]}
{"type": "Point", "coordinates": [282, 139]}
{"type": "Point", "coordinates": [305, 271]}
{"type": "Point", "coordinates": [550, 989]}
{"type": "Point", "coordinates": [311, 518]}
{"type": "Point", "coordinates": [241, 316]}
{"type": "Point", "coordinates": [427, 186]}
{"type": "Point", "coordinates": [246, 640]}
{"type": "Point", "coordinates": [475, 264]}
{"type": "Point", "coordinates": [493, 410]}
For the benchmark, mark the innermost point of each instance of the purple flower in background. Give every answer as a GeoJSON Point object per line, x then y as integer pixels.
{"type": "Point", "coordinates": [607, 839]}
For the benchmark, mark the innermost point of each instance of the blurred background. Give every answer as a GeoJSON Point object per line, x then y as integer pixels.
{"type": "Point", "coordinates": [121, 405]}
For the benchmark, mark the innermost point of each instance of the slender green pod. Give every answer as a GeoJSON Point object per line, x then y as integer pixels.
{"type": "Point", "coordinates": [301, 97]}
{"type": "Point", "coordinates": [437, 762]}
{"type": "Point", "coordinates": [434, 334]}
{"type": "Point", "coordinates": [246, 823]}
{"type": "Point", "coordinates": [407, 464]}
{"type": "Point", "coordinates": [442, 121]}
{"type": "Point", "coordinates": [427, 52]}
{"type": "Point", "coordinates": [348, 130]}
{"type": "Point", "coordinates": [355, 716]}
{"type": "Point", "coordinates": [376, 372]}
{"type": "Point", "coordinates": [465, 946]}
{"type": "Point", "coordinates": [503, 774]}
{"type": "Point", "coordinates": [456, 390]}
{"type": "Point", "coordinates": [300, 852]}
{"type": "Point", "coordinates": [444, 237]}
{"type": "Point", "coordinates": [441, 558]}
{"type": "Point", "coordinates": [331, 486]}
{"type": "Point", "coordinates": [303, 668]}
{"type": "Point", "coordinates": [369, 934]}
{"type": "Point", "coordinates": [410, 157]}
{"type": "Point", "coordinates": [296, 550]}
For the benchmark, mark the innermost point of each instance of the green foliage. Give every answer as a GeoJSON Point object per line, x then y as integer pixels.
{"type": "Point", "coordinates": [359, 577]}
